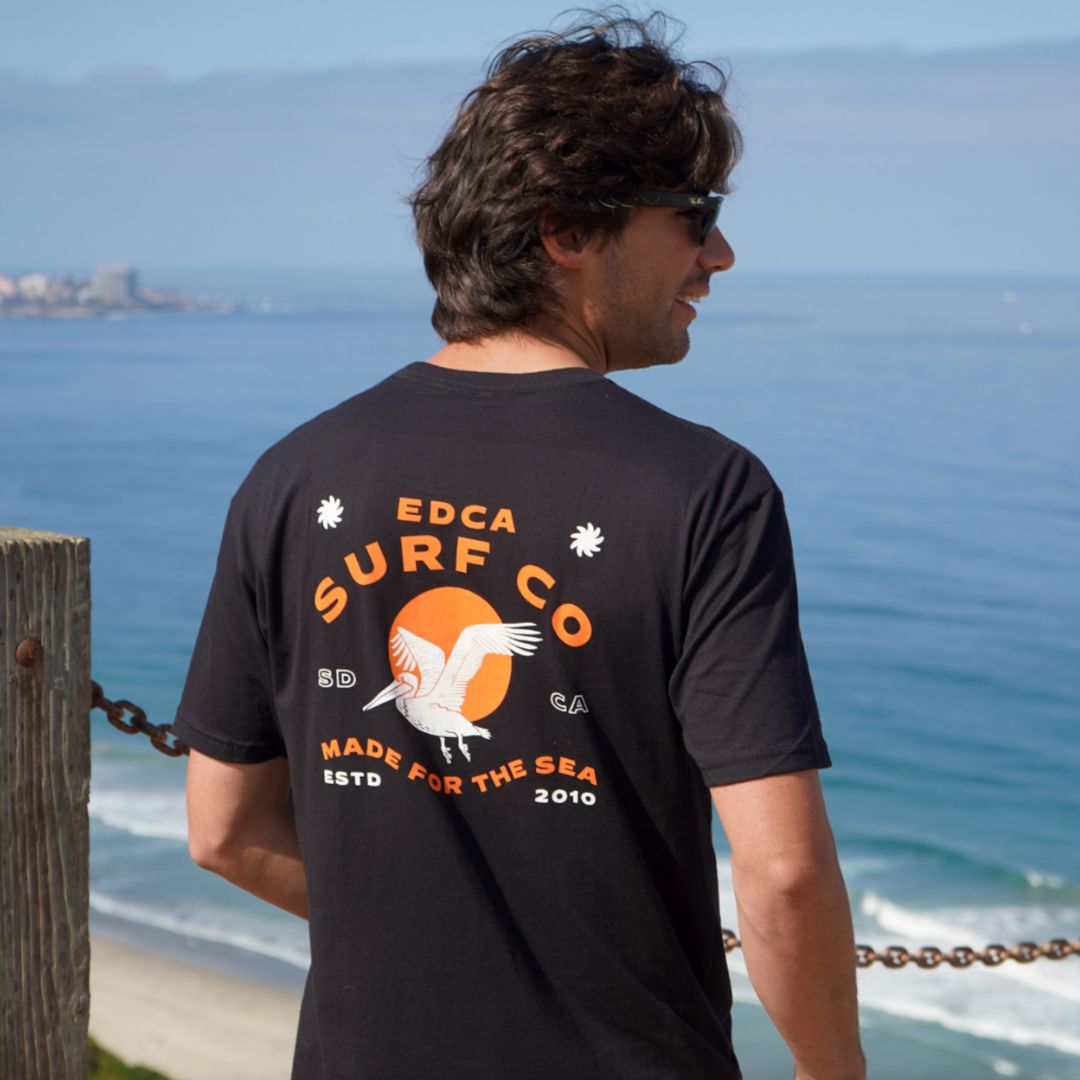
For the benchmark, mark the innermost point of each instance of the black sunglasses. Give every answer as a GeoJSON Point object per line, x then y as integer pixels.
{"type": "Point", "coordinates": [709, 205]}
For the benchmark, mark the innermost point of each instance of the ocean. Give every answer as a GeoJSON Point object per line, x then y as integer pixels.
{"type": "Point", "coordinates": [924, 432]}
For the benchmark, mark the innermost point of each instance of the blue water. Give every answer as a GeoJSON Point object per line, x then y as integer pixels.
{"type": "Point", "coordinates": [925, 434]}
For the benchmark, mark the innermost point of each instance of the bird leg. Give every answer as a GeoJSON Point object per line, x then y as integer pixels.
{"type": "Point", "coordinates": [446, 750]}
{"type": "Point", "coordinates": [463, 748]}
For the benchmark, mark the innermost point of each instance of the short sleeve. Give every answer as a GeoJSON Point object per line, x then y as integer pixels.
{"type": "Point", "coordinates": [741, 687]}
{"type": "Point", "coordinates": [227, 708]}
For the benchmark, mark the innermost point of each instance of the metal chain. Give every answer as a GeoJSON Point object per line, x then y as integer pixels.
{"type": "Point", "coordinates": [160, 734]}
{"type": "Point", "coordinates": [963, 956]}
{"type": "Point", "coordinates": [894, 957]}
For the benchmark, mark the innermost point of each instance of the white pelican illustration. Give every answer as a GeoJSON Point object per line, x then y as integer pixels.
{"type": "Point", "coordinates": [432, 701]}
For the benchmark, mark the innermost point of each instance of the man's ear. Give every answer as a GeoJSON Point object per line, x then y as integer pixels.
{"type": "Point", "coordinates": [565, 246]}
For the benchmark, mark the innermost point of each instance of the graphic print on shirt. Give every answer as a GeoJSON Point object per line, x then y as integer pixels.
{"type": "Point", "coordinates": [329, 513]}
{"type": "Point", "coordinates": [449, 652]}
{"type": "Point", "coordinates": [586, 540]}
{"type": "Point", "coordinates": [445, 697]}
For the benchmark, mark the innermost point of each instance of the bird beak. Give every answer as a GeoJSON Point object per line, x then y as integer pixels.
{"type": "Point", "coordinates": [394, 690]}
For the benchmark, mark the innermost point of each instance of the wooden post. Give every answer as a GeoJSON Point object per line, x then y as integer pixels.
{"type": "Point", "coordinates": [44, 789]}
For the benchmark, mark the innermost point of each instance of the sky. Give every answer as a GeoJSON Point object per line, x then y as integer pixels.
{"type": "Point", "coordinates": [880, 138]}
{"type": "Point", "coordinates": [69, 39]}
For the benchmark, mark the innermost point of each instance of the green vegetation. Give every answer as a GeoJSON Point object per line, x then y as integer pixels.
{"type": "Point", "coordinates": [105, 1066]}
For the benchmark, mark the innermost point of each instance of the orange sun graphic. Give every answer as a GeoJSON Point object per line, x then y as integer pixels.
{"type": "Point", "coordinates": [439, 615]}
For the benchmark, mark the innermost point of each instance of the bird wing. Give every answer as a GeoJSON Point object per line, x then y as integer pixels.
{"type": "Point", "coordinates": [411, 652]}
{"type": "Point", "coordinates": [472, 645]}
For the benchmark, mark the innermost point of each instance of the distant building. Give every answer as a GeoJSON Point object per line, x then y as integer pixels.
{"type": "Point", "coordinates": [114, 284]}
{"type": "Point", "coordinates": [112, 289]}
{"type": "Point", "coordinates": [33, 286]}
{"type": "Point", "coordinates": [62, 290]}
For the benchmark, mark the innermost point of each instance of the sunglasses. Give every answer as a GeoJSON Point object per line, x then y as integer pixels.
{"type": "Point", "coordinates": [708, 205]}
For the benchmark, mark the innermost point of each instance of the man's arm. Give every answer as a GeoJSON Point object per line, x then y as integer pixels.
{"type": "Point", "coordinates": [794, 919]}
{"type": "Point", "coordinates": [240, 825]}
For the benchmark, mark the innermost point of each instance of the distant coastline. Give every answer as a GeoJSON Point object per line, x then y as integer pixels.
{"type": "Point", "coordinates": [111, 289]}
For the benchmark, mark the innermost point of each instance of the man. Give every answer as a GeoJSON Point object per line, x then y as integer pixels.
{"type": "Point", "coordinates": [483, 638]}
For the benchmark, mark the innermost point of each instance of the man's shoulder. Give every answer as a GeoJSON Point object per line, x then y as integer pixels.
{"type": "Point", "coordinates": [311, 448]}
{"type": "Point", "coordinates": [622, 430]}
{"type": "Point", "coordinates": [321, 436]}
{"type": "Point", "coordinates": [694, 449]}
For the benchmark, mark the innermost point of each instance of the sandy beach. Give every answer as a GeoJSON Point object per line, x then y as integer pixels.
{"type": "Point", "coordinates": [233, 1017]}
{"type": "Point", "coordinates": [224, 1017]}
{"type": "Point", "coordinates": [188, 1021]}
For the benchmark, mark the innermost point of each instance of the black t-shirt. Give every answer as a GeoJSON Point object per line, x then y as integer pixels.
{"type": "Point", "coordinates": [507, 629]}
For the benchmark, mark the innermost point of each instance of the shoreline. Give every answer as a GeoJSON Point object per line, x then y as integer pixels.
{"type": "Point", "coordinates": [217, 958]}
{"type": "Point", "coordinates": [192, 1009]}
{"type": "Point", "coordinates": [186, 1019]}
{"type": "Point", "coordinates": [192, 1012]}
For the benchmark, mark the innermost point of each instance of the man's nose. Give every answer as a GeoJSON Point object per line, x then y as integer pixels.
{"type": "Point", "coordinates": [716, 253]}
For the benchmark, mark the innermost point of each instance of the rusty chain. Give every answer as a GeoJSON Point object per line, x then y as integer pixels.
{"type": "Point", "coordinates": [963, 956]}
{"type": "Point", "coordinates": [160, 734]}
{"type": "Point", "coordinates": [928, 957]}
{"type": "Point", "coordinates": [893, 957]}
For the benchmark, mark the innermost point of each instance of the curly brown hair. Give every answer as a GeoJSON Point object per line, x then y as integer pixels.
{"type": "Point", "coordinates": [571, 122]}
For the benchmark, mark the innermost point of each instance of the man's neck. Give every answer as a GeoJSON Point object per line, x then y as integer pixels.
{"type": "Point", "coordinates": [519, 352]}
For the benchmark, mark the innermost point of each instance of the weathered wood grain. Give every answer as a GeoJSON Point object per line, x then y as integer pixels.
{"type": "Point", "coordinates": [44, 788]}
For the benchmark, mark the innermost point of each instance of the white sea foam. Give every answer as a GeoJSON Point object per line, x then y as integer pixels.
{"type": "Point", "coordinates": [995, 1027]}
{"type": "Point", "coordinates": [979, 927]}
{"type": "Point", "coordinates": [1044, 881]}
{"type": "Point", "coordinates": [158, 814]}
{"type": "Point", "coordinates": [193, 926]}
{"type": "Point", "coordinates": [980, 1001]}
{"type": "Point", "coordinates": [856, 866]}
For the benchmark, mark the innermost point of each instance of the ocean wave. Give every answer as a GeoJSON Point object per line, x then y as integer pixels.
{"type": "Point", "coordinates": [890, 852]}
{"type": "Point", "coordinates": [980, 1001]}
{"type": "Point", "coordinates": [997, 1027]}
{"type": "Point", "coordinates": [856, 866]}
{"type": "Point", "coordinates": [980, 926]}
{"type": "Point", "coordinates": [1026, 1005]}
{"type": "Point", "coordinates": [193, 928]}
{"type": "Point", "coordinates": [125, 753]}
{"type": "Point", "coordinates": [159, 814]}
{"type": "Point", "coordinates": [1044, 881]}
{"type": "Point", "coordinates": [895, 849]}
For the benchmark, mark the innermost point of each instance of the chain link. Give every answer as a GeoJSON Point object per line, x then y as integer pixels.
{"type": "Point", "coordinates": [963, 956]}
{"type": "Point", "coordinates": [893, 957]}
{"type": "Point", "coordinates": [161, 735]}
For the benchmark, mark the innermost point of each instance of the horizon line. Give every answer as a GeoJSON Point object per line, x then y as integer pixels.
{"type": "Point", "coordinates": [149, 73]}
